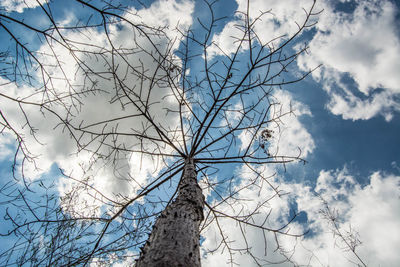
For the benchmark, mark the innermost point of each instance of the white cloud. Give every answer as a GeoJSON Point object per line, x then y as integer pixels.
{"type": "Point", "coordinates": [129, 171]}
{"type": "Point", "coordinates": [379, 229]}
{"type": "Point", "coordinates": [115, 261]}
{"type": "Point", "coordinates": [372, 211]}
{"type": "Point", "coordinates": [239, 236]}
{"type": "Point", "coordinates": [352, 107]}
{"type": "Point", "coordinates": [279, 22]}
{"type": "Point", "coordinates": [364, 45]}
{"type": "Point", "coordinates": [338, 187]}
{"type": "Point", "coordinates": [226, 41]}
{"type": "Point", "coordinates": [175, 14]}
{"type": "Point", "coordinates": [6, 145]}
{"type": "Point", "coordinates": [291, 136]}
{"type": "Point", "coordinates": [19, 5]}
{"type": "Point", "coordinates": [260, 183]}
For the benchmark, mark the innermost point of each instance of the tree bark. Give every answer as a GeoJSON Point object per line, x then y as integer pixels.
{"type": "Point", "coordinates": [175, 238]}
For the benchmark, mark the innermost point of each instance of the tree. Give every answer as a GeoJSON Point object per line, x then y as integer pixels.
{"type": "Point", "coordinates": [348, 240]}
{"type": "Point", "coordinates": [178, 105]}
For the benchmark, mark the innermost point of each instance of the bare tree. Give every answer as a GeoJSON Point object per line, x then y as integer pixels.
{"type": "Point", "coordinates": [347, 240]}
{"type": "Point", "coordinates": [174, 109]}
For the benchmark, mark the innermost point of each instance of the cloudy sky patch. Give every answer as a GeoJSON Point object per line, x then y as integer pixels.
{"type": "Point", "coordinates": [343, 119]}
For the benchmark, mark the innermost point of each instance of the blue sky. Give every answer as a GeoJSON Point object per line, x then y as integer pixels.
{"type": "Point", "coordinates": [347, 121]}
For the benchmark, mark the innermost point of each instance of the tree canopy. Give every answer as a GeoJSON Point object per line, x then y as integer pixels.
{"type": "Point", "coordinates": [103, 109]}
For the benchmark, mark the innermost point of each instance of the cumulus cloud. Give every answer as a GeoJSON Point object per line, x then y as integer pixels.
{"type": "Point", "coordinates": [19, 5]}
{"type": "Point", "coordinates": [352, 107]}
{"type": "Point", "coordinates": [159, 15]}
{"type": "Point", "coordinates": [363, 45]}
{"type": "Point", "coordinates": [111, 171]}
{"type": "Point", "coordinates": [233, 241]}
{"type": "Point", "coordinates": [370, 213]}
{"type": "Point", "coordinates": [259, 183]}
{"type": "Point", "coordinates": [115, 261]}
{"type": "Point", "coordinates": [272, 27]}
{"type": "Point", "coordinates": [6, 145]}
{"type": "Point", "coordinates": [291, 136]}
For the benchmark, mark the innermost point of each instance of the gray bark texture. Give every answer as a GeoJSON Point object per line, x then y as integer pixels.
{"type": "Point", "coordinates": [175, 238]}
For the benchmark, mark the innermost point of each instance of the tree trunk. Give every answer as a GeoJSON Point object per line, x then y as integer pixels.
{"type": "Point", "coordinates": [175, 238]}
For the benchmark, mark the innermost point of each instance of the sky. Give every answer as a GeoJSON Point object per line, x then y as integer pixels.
{"type": "Point", "coordinates": [346, 123]}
